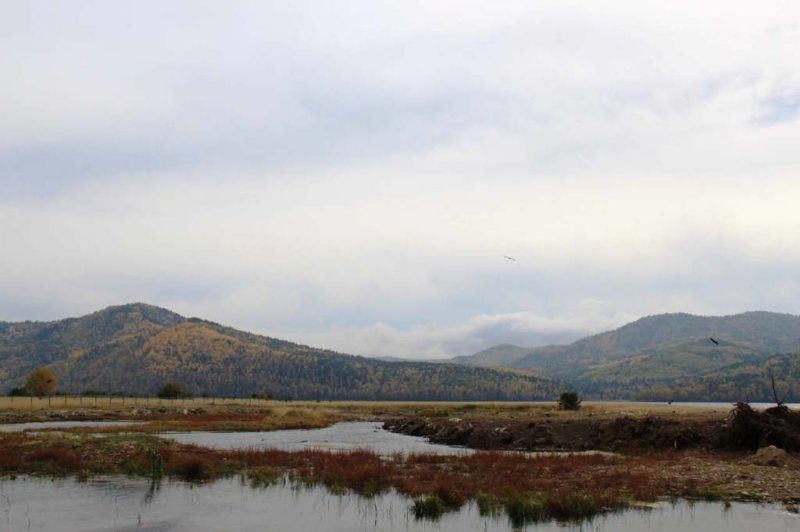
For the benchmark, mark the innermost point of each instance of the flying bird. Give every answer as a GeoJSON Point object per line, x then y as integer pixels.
{"type": "Point", "coordinates": [715, 341]}
{"type": "Point", "coordinates": [509, 258]}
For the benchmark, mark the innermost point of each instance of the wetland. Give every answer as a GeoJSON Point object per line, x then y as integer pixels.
{"type": "Point", "coordinates": [335, 462]}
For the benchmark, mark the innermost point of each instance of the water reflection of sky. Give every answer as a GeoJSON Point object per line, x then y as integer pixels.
{"type": "Point", "coordinates": [127, 504]}
{"type": "Point", "coordinates": [339, 437]}
{"type": "Point", "coordinates": [38, 425]}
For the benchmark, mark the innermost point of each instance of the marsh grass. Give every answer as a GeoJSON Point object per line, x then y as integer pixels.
{"type": "Point", "coordinates": [439, 483]}
{"type": "Point", "coordinates": [706, 493]}
{"type": "Point", "coordinates": [523, 508]}
{"type": "Point", "coordinates": [264, 476]}
{"type": "Point", "coordinates": [428, 507]}
{"type": "Point", "coordinates": [488, 504]}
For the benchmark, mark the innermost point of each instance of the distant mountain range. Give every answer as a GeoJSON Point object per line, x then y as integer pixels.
{"type": "Point", "coordinates": [671, 356]}
{"type": "Point", "coordinates": [136, 348]}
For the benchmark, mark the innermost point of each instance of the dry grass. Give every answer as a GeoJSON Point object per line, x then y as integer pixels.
{"type": "Point", "coordinates": [348, 409]}
{"type": "Point", "coordinates": [63, 402]}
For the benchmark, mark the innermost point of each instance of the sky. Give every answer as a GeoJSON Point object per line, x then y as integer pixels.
{"type": "Point", "coordinates": [354, 174]}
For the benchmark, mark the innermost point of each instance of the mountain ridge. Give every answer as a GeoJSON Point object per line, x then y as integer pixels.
{"type": "Point", "coordinates": [136, 348]}
{"type": "Point", "coordinates": [652, 357]}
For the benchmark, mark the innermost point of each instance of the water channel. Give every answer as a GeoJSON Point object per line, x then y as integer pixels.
{"type": "Point", "coordinates": [40, 425]}
{"type": "Point", "coordinates": [346, 436]}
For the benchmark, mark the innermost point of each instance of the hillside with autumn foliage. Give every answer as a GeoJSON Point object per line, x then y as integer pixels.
{"type": "Point", "coordinates": [136, 348]}
{"type": "Point", "coordinates": [672, 357]}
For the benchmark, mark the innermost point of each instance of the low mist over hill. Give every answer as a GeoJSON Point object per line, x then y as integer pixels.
{"type": "Point", "coordinates": [671, 356]}
{"type": "Point", "coordinates": [134, 349]}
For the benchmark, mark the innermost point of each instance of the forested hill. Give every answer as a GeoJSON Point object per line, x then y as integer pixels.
{"type": "Point", "coordinates": [503, 355]}
{"type": "Point", "coordinates": [136, 348]}
{"type": "Point", "coordinates": [671, 356]}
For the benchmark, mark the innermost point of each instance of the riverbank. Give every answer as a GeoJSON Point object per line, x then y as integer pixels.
{"type": "Point", "coordinates": [740, 429]}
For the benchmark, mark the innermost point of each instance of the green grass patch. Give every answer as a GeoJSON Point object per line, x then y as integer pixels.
{"type": "Point", "coordinates": [428, 507]}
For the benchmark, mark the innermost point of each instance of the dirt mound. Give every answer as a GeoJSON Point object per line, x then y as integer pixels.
{"type": "Point", "coordinates": [621, 434]}
{"type": "Point", "coordinates": [773, 457]}
{"type": "Point", "coordinates": [743, 430]}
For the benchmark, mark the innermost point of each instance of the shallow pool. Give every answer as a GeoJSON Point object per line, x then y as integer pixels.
{"type": "Point", "coordinates": [339, 437]}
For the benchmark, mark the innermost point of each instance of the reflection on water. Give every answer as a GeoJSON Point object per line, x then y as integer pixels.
{"type": "Point", "coordinates": [38, 425]}
{"type": "Point", "coordinates": [338, 437]}
{"type": "Point", "coordinates": [125, 504]}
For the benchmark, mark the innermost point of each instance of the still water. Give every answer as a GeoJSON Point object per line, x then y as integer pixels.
{"type": "Point", "coordinates": [339, 437]}
{"type": "Point", "coordinates": [124, 504]}
{"type": "Point", "coordinates": [39, 425]}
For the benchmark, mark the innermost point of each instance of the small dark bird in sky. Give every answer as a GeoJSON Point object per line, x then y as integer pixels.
{"type": "Point", "coordinates": [509, 258]}
{"type": "Point", "coordinates": [715, 342]}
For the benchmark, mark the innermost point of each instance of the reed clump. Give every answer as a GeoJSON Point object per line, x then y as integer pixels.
{"type": "Point", "coordinates": [428, 507]}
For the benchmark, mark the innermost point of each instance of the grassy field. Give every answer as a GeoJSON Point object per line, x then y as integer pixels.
{"type": "Point", "coordinates": [228, 414]}
{"type": "Point", "coordinates": [469, 409]}
{"type": "Point", "coordinates": [76, 402]}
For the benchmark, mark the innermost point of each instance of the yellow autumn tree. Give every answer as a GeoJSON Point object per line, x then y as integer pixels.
{"type": "Point", "coordinates": [41, 381]}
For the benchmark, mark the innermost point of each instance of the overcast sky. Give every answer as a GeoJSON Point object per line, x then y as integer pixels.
{"type": "Point", "coordinates": [351, 174]}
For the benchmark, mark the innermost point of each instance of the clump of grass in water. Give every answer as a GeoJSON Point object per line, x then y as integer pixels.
{"type": "Point", "coordinates": [428, 507]}
{"type": "Point", "coordinates": [191, 467]}
{"type": "Point", "coordinates": [572, 506]}
{"type": "Point", "coordinates": [264, 477]}
{"type": "Point", "coordinates": [525, 508]}
{"type": "Point", "coordinates": [706, 494]}
{"type": "Point", "coordinates": [156, 461]}
{"type": "Point", "coordinates": [337, 489]}
{"type": "Point", "coordinates": [488, 504]}
{"type": "Point", "coordinates": [432, 506]}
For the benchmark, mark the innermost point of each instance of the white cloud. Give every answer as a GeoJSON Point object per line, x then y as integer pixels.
{"type": "Point", "coordinates": [479, 332]}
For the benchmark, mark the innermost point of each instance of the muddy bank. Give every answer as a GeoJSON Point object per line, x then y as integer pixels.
{"type": "Point", "coordinates": [743, 429]}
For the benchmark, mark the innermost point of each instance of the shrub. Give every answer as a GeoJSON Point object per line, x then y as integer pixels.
{"type": "Point", "coordinates": [173, 391]}
{"type": "Point", "coordinates": [41, 381]}
{"type": "Point", "coordinates": [569, 401]}
{"type": "Point", "coordinates": [260, 395]}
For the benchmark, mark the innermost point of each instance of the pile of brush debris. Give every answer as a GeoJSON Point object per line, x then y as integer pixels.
{"type": "Point", "coordinates": [749, 429]}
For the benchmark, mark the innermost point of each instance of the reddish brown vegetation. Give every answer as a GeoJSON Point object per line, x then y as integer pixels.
{"type": "Point", "coordinates": [453, 478]}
